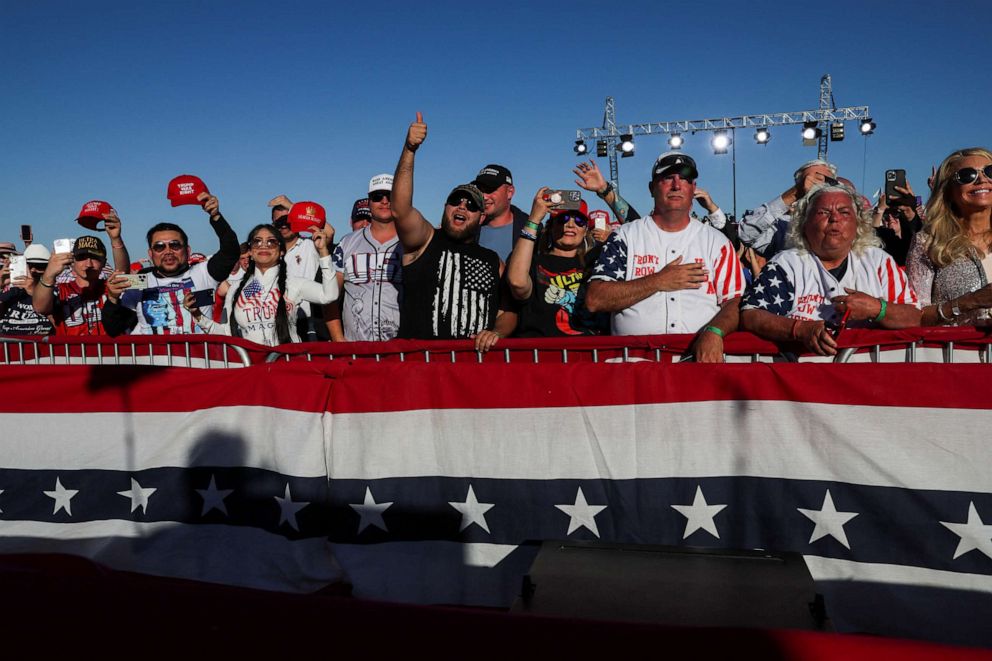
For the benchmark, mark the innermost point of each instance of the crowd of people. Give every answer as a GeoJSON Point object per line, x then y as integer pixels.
{"type": "Point", "coordinates": [816, 259]}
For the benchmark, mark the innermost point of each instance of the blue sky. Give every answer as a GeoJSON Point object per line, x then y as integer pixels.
{"type": "Point", "coordinates": [110, 100]}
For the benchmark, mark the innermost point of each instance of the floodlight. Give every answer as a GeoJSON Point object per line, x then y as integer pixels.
{"type": "Point", "coordinates": [867, 126]}
{"type": "Point", "coordinates": [720, 142]}
{"type": "Point", "coordinates": [601, 148]}
{"type": "Point", "coordinates": [626, 146]}
{"type": "Point", "coordinates": [675, 141]}
{"type": "Point", "coordinates": [811, 134]}
{"type": "Point", "coordinates": [580, 147]}
{"type": "Point", "coordinates": [762, 135]}
{"type": "Point", "coordinates": [837, 131]}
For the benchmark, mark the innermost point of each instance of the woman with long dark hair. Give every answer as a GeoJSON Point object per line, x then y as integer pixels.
{"type": "Point", "coordinates": [261, 306]}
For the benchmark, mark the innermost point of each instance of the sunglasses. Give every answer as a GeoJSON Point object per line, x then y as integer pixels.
{"type": "Point", "coordinates": [563, 218]}
{"type": "Point", "coordinates": [259, 242]}
{"type": "Point", "coordinates": [970, 175]}
{"type": "Point", "coordinates": [160, 246]}
{"type": "Point", "coordinates": [378, 196]}
{"type": "Point", "coordinates": [470, 204]}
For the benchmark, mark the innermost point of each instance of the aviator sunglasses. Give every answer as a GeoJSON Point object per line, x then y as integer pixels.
{"type": "Point", "coordinates": [259, 242]}
{"type": "Point", "coordinates": [456, 200]}
{"type": "Point", "coordinates": [160, 246]}
{"type": "Point", "coordinates": [970, 175]}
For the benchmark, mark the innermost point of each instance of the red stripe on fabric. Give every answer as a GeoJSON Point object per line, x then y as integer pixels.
{"type": "Point", "coordinates": [719, 268]}
{"type": "Point", "coordinates": [83, 389]}
{"type": "Point", "coordinates": [891, 279]}
{"type": "Point", "coordinates": [418, 387]}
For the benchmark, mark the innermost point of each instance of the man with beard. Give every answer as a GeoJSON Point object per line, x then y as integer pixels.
{"type": "Point", "coordinates": [450, 283]}
{"type": "Point", "coordinates": [160, 306]}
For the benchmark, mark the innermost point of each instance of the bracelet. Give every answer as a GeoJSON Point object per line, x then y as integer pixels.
{"type": "Point", "coordinates": [42, 282]}
{"type": "Point", "coordinates": [792, 333]}
{"type": "Point", "coordinates": [524, 234]}
{"type": "Point", "coordinates": [531, 225]}
{"type": "Point", "coordinates": [605, 191]}
{"type": "Point", "coordinates": [940, 313]}
{"type": "Point", "coordinates": [714, 330]}
{"type": "Point", "coordinates": [881, 313]}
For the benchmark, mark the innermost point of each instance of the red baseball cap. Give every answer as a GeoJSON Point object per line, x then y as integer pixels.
{"type": "Point", "coordinates": [583, 211]}
{"type": "Point", "coordinates": [184, 189]}
{"type": "Point", "coordinates": [92, 214]}
{"type": "Point", "coordinates": [305, 215]}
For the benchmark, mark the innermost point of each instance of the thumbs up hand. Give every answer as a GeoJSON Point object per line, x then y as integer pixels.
{"type": "Point", "coordinates": [417, 133]}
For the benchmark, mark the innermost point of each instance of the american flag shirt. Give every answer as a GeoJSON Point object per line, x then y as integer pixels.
{"type": "Point", "coordinates": [796, 284]}
{"type": "Point", "coordinates": [640, 248]}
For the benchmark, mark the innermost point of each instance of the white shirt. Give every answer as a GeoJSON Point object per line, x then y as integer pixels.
{"type": "Point", "coordinates": [301, 262]}
{"type": "Point", "coordinates": [640, 248]}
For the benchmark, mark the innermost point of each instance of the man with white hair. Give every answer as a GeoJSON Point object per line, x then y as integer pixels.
{"type": "Point", "coordinates": [764, 228]}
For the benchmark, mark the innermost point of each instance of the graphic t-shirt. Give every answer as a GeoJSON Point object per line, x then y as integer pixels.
{"type": "Point", "coordinates": [19, 317]}
{"type": "Point", "coordinates": [556, 306]}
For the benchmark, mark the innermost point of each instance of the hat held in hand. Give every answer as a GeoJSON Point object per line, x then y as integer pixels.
{"type": "Point", "coordinates": [184, 189]}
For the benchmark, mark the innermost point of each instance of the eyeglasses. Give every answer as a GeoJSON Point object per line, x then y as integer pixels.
{"type": "Point", "coordinates": [456, 201]}
{"type": "Point", "coordinates": [160, 246]}
{"type": "Point", "coordinates": [378, 195]}
{"type": "Point", "coordinates": [563, 218]}
{"type": "Point", "coordinates": [970, 175]}
{"type": "Point", "coordinates": [259, 242]}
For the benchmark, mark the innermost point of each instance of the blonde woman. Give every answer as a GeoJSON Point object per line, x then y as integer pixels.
{"type": "Point", "coordinates": [950, 261]}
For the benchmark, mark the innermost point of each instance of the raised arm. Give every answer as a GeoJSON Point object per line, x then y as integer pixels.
{"type": "Point", "coordinates": [112, 226]}
{"type": "Point", "coordinates": [518, 269]}
{"type": "Point", "coordinates": [219, 266]}
{"type": "Point", "coordinates": [591, 179]}
{"type": "Point", "coordinates": [412, 228]}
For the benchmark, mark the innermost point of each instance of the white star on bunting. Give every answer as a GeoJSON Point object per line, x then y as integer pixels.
{"type": "Point", "coordinates": [288, 509]}
{"type": "Point", "coordinates": [975, 534]}
{"type": "Point", "coordinates": [62, 497]}
{"type": "Point", "coordinates": [699, 515]}
{"type": "Point", "coordinates": [472, 511]}
{"type": "Point", "coordinates": [213, 498]}
{"type": "Point", "coordinates": [370, 512]}
{"type": "Point", "coordinates": [828, 521]}
{"type": "Point", "coordinates": [581, 514]}
{"type": "Point", "coordinates": [139, 497]}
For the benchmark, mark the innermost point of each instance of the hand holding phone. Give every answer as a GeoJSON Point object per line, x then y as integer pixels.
{"type": "Point", "coordinates": [893, 179]}
{"type": "Point", "coordinates": [570, 200]}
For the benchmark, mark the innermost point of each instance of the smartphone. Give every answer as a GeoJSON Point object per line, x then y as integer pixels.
{"type": "Point", "coordinates": [18, 267]}
{"type": "Point", "coordinates": [564, 199]}
{"type": "Point", "coordinates": [26, 234]}
{"type": "Point", "coordinates": [203, 298]}
{"type": "Point", "coordinates": [62, 245]}
{"type": "Point", "coordinates": [894, 178]}
{"type": "Point", "coordinates": [137, 280]}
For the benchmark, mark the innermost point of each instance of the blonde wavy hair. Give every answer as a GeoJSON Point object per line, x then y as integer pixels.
{"type": "Point", "coordinates": [865, 238]}
{"type": "Point", "coordinates": [949, 240]}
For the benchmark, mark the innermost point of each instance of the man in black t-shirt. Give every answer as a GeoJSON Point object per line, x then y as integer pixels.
{"type": "Point", "coordinates": [450, 283]}
{"type": "Point", "coordinates": [17, 313]}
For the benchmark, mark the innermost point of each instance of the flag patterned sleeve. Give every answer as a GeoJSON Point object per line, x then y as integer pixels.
{"type": "Point", "coordinates": [895, 284]}
{"type": "Point", "coordinates": [771, 291]}
{"type": "Point", "coordinates": [728, 276]}
{"type": "Point", "coordinates": [612, 262]}
{"type": "Point", "coordinates": [337, 259]}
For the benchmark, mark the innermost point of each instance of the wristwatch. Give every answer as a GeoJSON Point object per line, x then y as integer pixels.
{"type": "Point", "coordinates": [606, 191]}
{"type": "Point", "coordinates": [955, 310]}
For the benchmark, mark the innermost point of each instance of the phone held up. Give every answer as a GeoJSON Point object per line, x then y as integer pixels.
{"type": "Point", "coordinates": [569, 200]}
{"type": "Point", "coordinates": [894, 178]}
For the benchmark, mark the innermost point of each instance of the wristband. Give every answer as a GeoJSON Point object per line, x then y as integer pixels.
{"type": "Point", "coordinates": [605, 191]}
{"type": "Point", "coordinates": [41, 281]}
{"type": "Point", "coordinates": [714, 330]}
{"type": "Point", "coordinates": [940, 313]}
{"type": "Point", "coordinates": [531, 225]}
{"type": "Point", "coordinates": [881, 313]}
{"type": "Point", "coordinates": [524, 234]}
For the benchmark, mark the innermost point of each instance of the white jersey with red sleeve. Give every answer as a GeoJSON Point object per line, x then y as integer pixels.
{"type": "Point", "coordinates": [796, 284]}
{"type": "Point", "coordinates": [640, 248]}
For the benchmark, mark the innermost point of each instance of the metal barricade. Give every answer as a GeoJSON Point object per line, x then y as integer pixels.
{"type": "Point", "coordinates": [208, 353]}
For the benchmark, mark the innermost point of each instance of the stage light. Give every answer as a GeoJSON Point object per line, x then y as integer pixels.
{"type": "Point", "coordinates": [811, 134]}
{"type": "Point", "coordinates": [675, 141]}
{"type": "Point", "coordinates": [720, 142]}
{"type": "Point", "coordinates": [626, 146]}
{"type": "Point", "coordinates": [762, 135]}
{"type": "Point", "coordinates": [837, 131]}
{"type": "Point", "coordinates": [601, 148]}
{"type": "Point", "coordinates": [580, 147]}
{"type": "Point", "coordinates": [867, 126]}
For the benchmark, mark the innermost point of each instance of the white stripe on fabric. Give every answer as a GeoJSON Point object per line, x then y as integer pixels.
{"type": "Point", "coordinates": [834, 569]}
{"type": "Point", "coordinates": [232, 555]}
{"type": "Point", "coordinates": [883, 446]}
{"type": "Point", "coordinates": [290, 442]}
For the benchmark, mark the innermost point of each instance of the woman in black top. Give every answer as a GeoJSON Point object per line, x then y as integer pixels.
{"type": "Point", "coordinates": [549, 280]}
